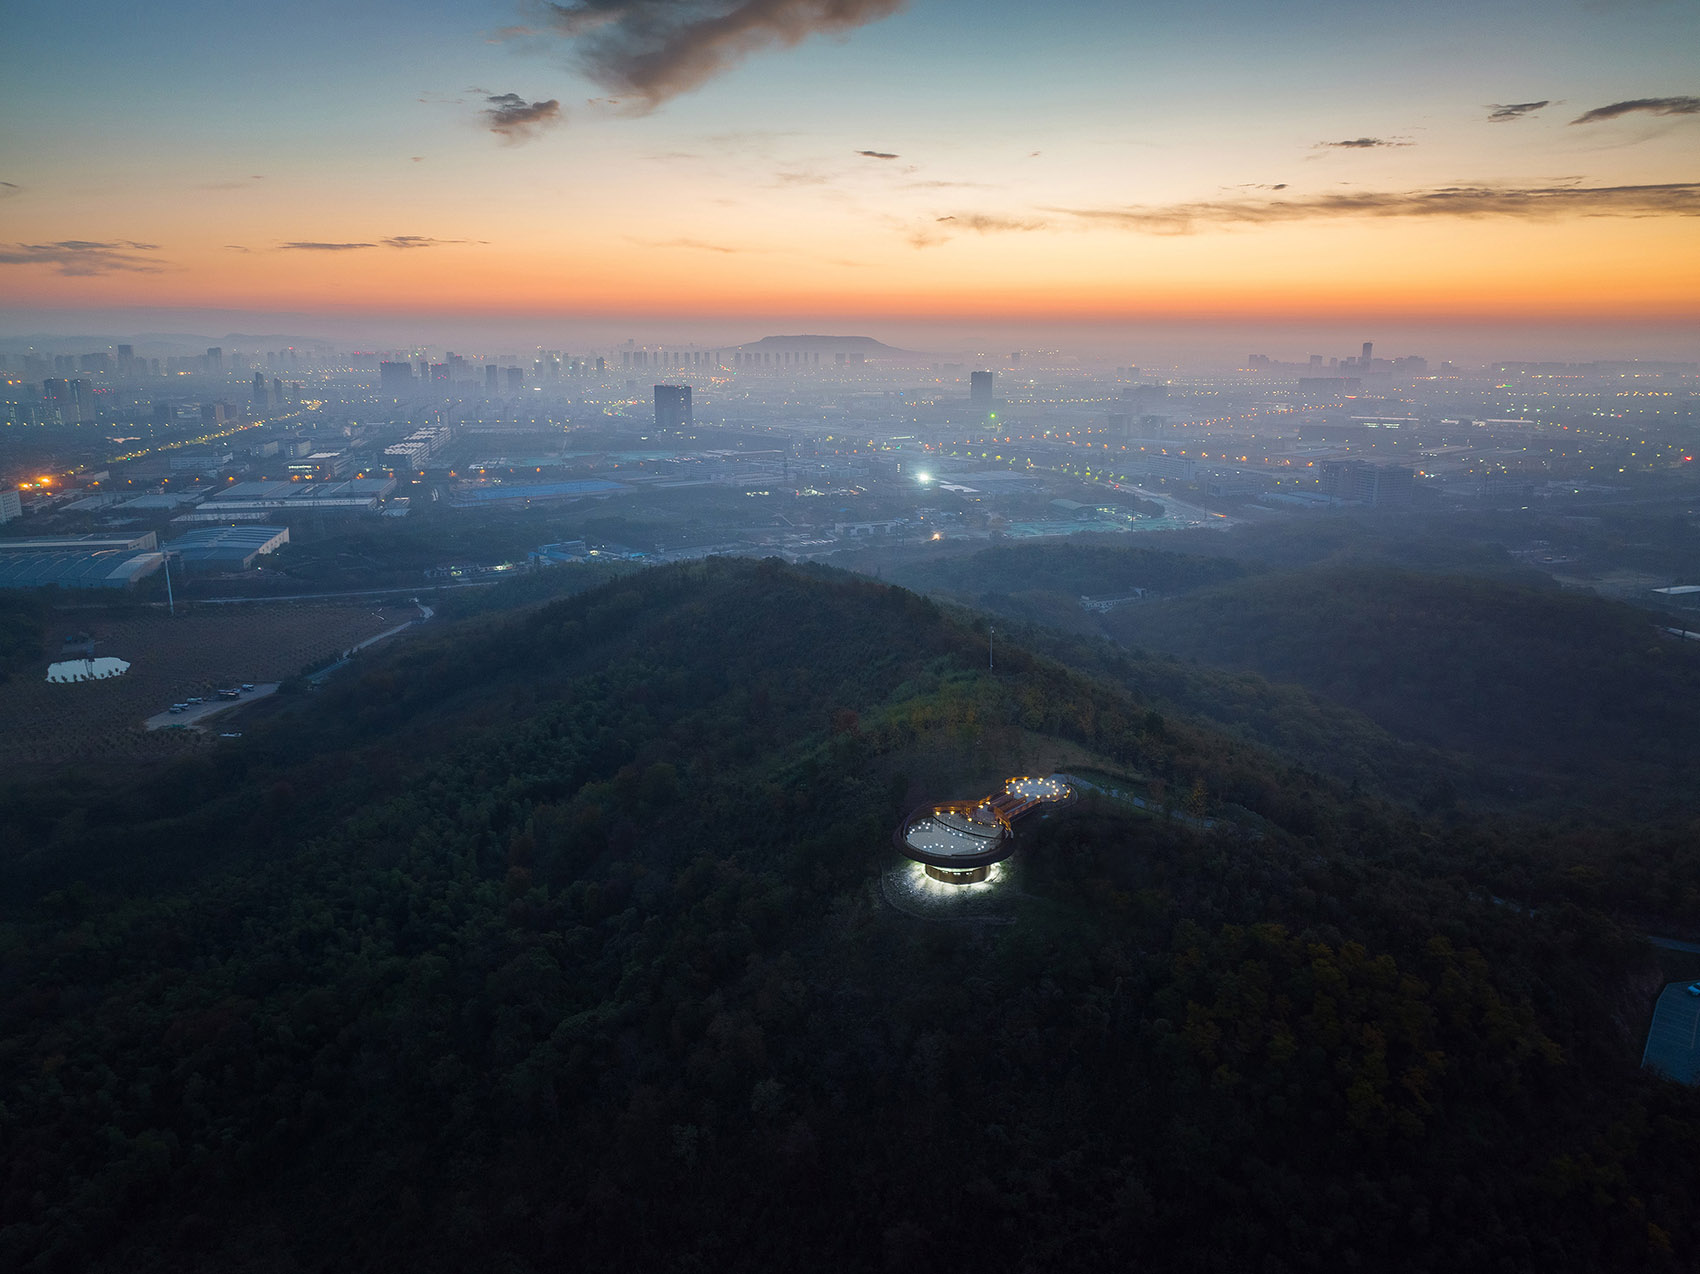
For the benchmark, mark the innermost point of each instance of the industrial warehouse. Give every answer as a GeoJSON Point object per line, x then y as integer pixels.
{"type": "Point", "coordinates": [79, 561]}
{"type": "Point", "coordinates": [226, 548]}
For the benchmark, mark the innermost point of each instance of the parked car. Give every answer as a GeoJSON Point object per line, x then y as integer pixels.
{"type": "Point", "coordinates": [247, 685]}
{"type": "Point", "coordinates": [194, 699]}
{"type": "Point", "coordinates": [176, 707]}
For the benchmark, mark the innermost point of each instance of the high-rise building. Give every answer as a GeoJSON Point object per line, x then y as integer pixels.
{"type": "Point", "coordinates": [673, 407]}
{"type": "Point", "coordinates": [1377, 485]}
{"type": "Point", "coordinates": [515, 378]}
{"type": "Point", "coordinates": [71, 400]}
{"type": "Point", "coordinates": [395, 378]}
{"type": "Point", "coordinates": [262, 392]}
{"type": "Point", "coordinates": [215, 359]}
{"type": "Point", "coordinates": [56, 393]}
{"type": "Point", "coordinates": [1369, 350]}
{"type": "Point", "coordinates": [980, 389]}
{"type": "Point", "coordinates": [491, 375]}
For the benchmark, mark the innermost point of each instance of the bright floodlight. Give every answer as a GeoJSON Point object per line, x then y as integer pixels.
{"type": "Point", "coordinates": [923, 477]}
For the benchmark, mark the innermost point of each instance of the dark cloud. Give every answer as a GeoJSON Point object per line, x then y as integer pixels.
{"type": "Point", "coordinates": [1359, 143]}
{"type": "Point", "coordinates": [514, 119]}
{"type": "Point", "coordinates": [304, 246]}
{"type": "Point", "coordinates": [10, 188]}
{"type": "Point", "coordinates": [84, 256]}
{"type": "Point", "coordinates": [877, 154]}
{"type": "Point", "coordinates": [1643, 106]}
{"type": "Point", "coordinates": [1680, 199]}
{"type": "Point", "coordinates": [657, 49]}
{"type": "Point", "coordinates": [1499, 113]}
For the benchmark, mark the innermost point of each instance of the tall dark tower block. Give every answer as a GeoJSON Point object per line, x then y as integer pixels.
{"type": "Point", "coordinates": [672, 406]}
{"type": "Point", "coordinates": [980, 390]}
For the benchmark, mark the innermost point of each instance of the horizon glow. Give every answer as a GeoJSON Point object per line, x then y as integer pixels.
{"type": "Point", "coordinates": [944, 170]}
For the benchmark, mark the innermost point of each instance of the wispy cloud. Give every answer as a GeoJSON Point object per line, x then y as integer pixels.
{"type": "Point", "coordinates": [942, 228]}
{"type": "Point", "coordinates": [10, 188]}
{"type": "Point", "coordinates": [989, 223]}
{"type": "Point", "coordinates": [420, 241]}
{"type": "Point", "coordinates": [656, 49]}
{"type": "Point", "coordinates": [1679, 199]}
{"type": "Point", "coordinates": [695, 245]}
{"type": "Point", "coordinates": [514, 119]}
{"type": "Point", "coordinates": [1504, 113]}
{"type": "Point", "coordinates": [242, 183]}
{"type": "Point", "coordinates": [80, 257]}
{"type": "Point", "coordinates": [393, 241]}
{"type": "Point", "coordinates": [1641, 106]}
{"type": "Point", "coordinates": [1360, 143]}
{"type": "Point", "coordinates": [877, 154]}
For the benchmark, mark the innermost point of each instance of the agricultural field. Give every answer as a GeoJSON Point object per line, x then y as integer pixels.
{"type": "Point", "coordinates": [170, 659]}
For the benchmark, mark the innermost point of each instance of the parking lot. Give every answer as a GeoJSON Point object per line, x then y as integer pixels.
{"type": "Point", "coordinates": [198, 712]}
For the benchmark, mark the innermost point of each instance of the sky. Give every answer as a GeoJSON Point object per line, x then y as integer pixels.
{"type": "Point", "coordinates": [929, 170]}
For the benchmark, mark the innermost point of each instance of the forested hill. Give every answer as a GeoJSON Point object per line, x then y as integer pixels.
{"type": "Point", "coordinates": [1571, 690]}
{"type": "Point", "coordinates": [1448, 667]}
{"type": "Point", "coordinates": [560, 939]}
{"type": "Point", "coordinates": [1068, 569]}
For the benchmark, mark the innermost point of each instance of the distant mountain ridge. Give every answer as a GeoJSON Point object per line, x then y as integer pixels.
{"type": "Point", "coordinates": [864, 345]}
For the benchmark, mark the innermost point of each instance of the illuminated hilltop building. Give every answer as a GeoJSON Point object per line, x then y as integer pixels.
{"type": "Point", "coordinates": [959, 842]}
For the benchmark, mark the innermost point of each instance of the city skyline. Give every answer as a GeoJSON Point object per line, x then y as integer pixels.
{"type": "Point", "coordinates": [932, 173]}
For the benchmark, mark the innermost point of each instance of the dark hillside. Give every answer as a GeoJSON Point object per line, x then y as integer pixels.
{"type": "Point", "coordinates": [1566, 688]}
{"type": "Point", "coordinates": [560, 939]}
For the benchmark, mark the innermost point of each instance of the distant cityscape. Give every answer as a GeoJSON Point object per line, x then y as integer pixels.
{"type": "Point", "coordinates": [794, 446]}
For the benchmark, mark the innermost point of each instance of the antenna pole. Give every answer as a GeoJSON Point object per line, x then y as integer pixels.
{"type": "Point", "coordinates": [989, 631]}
